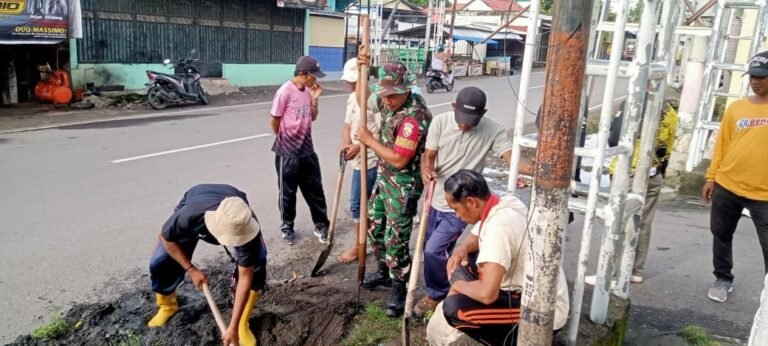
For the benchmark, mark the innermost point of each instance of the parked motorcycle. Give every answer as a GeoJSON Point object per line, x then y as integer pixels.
{"type": "Point", "coordinates": [435, 81]}
{"type": "Point", "coordinates": [164, 89]}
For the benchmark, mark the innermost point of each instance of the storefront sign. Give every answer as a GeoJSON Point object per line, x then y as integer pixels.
{"type": "Point", "coordinates": [310, 4]}
{"type": "Point", "coordinates": [33, 21]}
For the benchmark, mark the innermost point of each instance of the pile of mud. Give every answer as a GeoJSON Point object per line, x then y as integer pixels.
{"type": "Point", "coordinates": [304, 311]}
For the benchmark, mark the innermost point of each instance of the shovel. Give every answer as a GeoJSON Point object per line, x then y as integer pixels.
{"type": "Point", "coordinates": [362, 232]}
{"type": "Point", "coordinates": [215, 310]}
{"type": "Point", "coordinates": [418, 253]}
{"type": "Point", "coordinates": [327, 251]}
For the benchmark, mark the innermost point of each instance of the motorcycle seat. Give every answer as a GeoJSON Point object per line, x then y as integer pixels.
{"type": "Point", "coordinates": [165, 74]}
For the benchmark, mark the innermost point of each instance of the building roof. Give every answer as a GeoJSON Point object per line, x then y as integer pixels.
{"type": "Point", "coordinates": [494, 5]}
{"type": "Point", "coordinates": [471, 33]}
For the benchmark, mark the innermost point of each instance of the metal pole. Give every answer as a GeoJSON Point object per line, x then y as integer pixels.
{"type": "Point", "coordinates": [549, 215]}
{"type": "Point", "coordinates": [600, 293]}
{"type": "Point", "coordinates": [428, 31]}
{"type": "Point", "coordinates": [389, 20]}
{"type": "Point", "coordinates": [522, 94]}
{"type": "Point", "coordinates": [636, 96]}
{"type": "Point", "coordinates": [503, 26]}
{"type": "Point", "coordinates": [597, 16]}
{"type": "Point", "coordinates": [648, 137]}
{"type": "Point", "coordinates": [698, 13]}
{"type": "Point", "coordinates": [709, 84]}
{"type": "Point", "coordinates": [453, 21]}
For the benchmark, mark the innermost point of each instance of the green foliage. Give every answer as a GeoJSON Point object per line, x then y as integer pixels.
{"type": "Point", "coordinates": [58, 326]}
{"type": "Point", "coordinates": [696, 336]}
{"type": "Point", "coordinates": [373, 327]}
{"type": "Point", "coordinates": [546, 7]}
{"type": "Point", "coordinates": [131, 339]}
{"type": "Point", "coordinates": [636, 12]}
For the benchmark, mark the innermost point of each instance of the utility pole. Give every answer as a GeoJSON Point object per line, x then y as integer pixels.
{"type": "Point", "coordinates": [689, 103]}
{"type": "Point", "coordinates": [566, 67]}
{"type": "Point", "coordinates": [428, 32]}
{"type": "Point", "coordinates": [453, 21]}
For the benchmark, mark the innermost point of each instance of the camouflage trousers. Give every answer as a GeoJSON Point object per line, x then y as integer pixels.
{"type": "Point", "coordinates": [390, 223]}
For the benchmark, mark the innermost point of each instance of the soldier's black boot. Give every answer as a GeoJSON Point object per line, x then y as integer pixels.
{"type": "Point", "coordinates": [396, 303]}
{"type": "Point", "coordinates": [378, 278]}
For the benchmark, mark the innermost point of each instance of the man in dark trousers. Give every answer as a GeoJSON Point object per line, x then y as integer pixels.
{"type": "Point", "coordinates": [405, 120]}
{"type": "Point", "coordinates": [294, 108]}
{"type": "Point", "coordinates": [737, 177]}
{"type": "Point", "coordinates": [216, 214]}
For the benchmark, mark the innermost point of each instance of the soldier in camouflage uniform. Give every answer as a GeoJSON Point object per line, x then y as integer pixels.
{"type": "Point", "coordinates": [405, 121]}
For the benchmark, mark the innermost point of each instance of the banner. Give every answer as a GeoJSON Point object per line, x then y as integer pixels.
{"type": "Point", "coordinates": [309, 4]}
{"type": "Point", "coordinates": [33, 21]}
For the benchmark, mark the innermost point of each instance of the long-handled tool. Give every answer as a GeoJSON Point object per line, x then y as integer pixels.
{"type": "Point", "coordinates": [327, 251]}
{"type": "Point", "coordinates": [362, 85]}
{"type": "Point", "coordinates": [418, 253]}
{"type": "Point", "coordinates": [215, 310]}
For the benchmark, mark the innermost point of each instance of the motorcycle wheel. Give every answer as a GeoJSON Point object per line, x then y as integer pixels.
{"type": "Point", "coordinates": [430, 88]}
{"type": "Point", "coordinates": [201, 94]}
{"type": "Point", "coordinates": [450, 86]}
{"type": "Point", "coordinates": [155, 101]}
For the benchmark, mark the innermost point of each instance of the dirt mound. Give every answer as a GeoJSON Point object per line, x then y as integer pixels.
{"type": "Point", "coordinates": [304, 311]}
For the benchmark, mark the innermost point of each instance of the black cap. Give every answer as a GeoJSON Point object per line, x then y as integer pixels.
{"type": "Point", "coordinates": [309, 65]}
{"type": "Point", "coordinates": [470, 106]}
{"type": "Point", "coordinates": [758, 66]}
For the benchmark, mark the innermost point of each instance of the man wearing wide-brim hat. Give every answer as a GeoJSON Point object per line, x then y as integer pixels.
{"type": "Point", "coordinates": [405, 120]}
{"type": "Point", "coordinates": [216, 214]}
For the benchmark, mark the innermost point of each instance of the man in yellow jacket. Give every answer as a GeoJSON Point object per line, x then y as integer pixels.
{"type": "Point", "coordinates": [737, 178]}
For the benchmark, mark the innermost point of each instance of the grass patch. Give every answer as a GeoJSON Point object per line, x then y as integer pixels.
{"type": "Point", "coordinates": [373, 327]}
{"type": "Point", "coordinates": [58, 326]}
{"type": "Point", "coordinates": [131, 339]}
{"type": "Point", "coordinates": [697, 336]}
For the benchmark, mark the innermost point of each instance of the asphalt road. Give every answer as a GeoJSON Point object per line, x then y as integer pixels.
{"type": "Point", "coordinates": [82, 204]}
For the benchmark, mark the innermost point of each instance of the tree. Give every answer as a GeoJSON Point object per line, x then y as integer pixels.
{"type": "Point", "coordinates": [636, 12]}
{"type": "Point", "coordinates": [546, 7]}
{"type": "Point", "coordinates": [425, 3]}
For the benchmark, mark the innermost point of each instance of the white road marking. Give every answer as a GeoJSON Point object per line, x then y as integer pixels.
{"type": "Point", "coordinates": [149, 115]}
{"type": "Point", "coordinates": [168, 152]}
{"type": "Point", "coordinates": [202, 146]}
{"type": "Point", "coordinates": [440, 105]}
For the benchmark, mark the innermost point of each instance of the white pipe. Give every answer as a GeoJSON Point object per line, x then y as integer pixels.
{"type": "Point", "coordinates": [597, 16]}
{"type": "Point", "coordinates": [709, 85]}
{"type": "Point", "coordinates": [600, 294]}
{"type": "Point", "coordinates": [522, 93]}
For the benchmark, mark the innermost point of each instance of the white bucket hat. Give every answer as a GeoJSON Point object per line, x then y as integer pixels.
{"type": "Point", "coordinates": [349, 74]}
{"type": "Point", "coordinates": [232, 223]}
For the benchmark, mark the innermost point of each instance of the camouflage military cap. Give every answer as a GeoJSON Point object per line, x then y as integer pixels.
{"type": "Point", "coordinates": [393, 79]}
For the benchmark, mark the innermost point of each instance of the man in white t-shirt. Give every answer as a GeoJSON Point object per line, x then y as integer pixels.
{"type": "Point", "coordinates": [487, 270]}
{"type": "Point", "coordinates": [456, 140]}
{"type": "Point", "coordinates": [351, 148]}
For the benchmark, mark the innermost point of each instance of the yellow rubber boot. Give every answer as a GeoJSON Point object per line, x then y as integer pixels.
{"type": "Point", "coordinates": [167, 306]}
{"type": "Point", "coordinates": [244, 329]}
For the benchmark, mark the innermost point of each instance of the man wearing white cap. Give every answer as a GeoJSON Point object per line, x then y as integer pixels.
{"type": "Point", "coordinates": [351, 149]}
{"type": "Point", "coordinates": [216, 214]}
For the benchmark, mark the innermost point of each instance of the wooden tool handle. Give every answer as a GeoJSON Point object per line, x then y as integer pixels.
{"type": "Point", "coordinates": [362, 84]}
{"type": "Point", "coordinates": [418, 251]}
{"type": "Point", "coordinates": [214, 309]}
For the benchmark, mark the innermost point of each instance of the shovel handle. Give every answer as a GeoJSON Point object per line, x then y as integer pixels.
{"type": "Point", "coordinates": [214, 309]}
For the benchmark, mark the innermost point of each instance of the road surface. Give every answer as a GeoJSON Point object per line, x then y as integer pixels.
{"type": "Point", "coordinates": [82, 204]}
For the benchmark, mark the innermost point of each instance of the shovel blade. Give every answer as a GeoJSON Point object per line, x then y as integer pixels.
{"type": "Point", "coordinates": [321, 260]}
{"type": "Point", "coordinates": [406, 333]}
